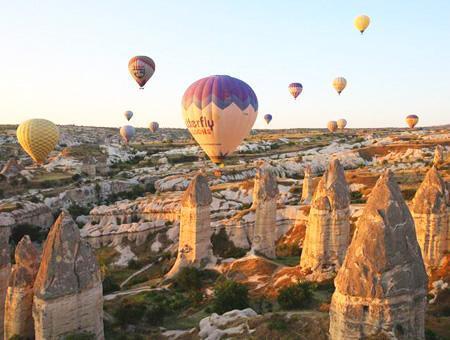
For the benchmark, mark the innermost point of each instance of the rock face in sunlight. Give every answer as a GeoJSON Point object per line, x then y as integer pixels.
{"type": "Point", "coordinates": [68, 295]}
{"type": "Point", "coordinates": [381, 286]}
{"type": "Point", "coordinates": [5, 269]}
{"type": "Point", "coordinates": [328, 230]}
{"type": "Point", "coordinates": [429, 210]}
{"type": "Point", "coordinates": [265, 195]}
{"type": "Point", "coordinates": [19, 296]}
{"type": "Point", "coordinates": [194, 248]}
{"type": "Point", "coordinates": [439, 156]}
{"type": "Point", "coordinates": [307, 189]}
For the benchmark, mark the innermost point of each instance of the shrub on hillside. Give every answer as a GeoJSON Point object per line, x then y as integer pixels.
{"type": "Point", "coordinates": [298, 295]}
{"type": "Point", "coordinates": [229, 295]}
{"type": "Point", "coordinates": [223, 247]}
{"type": "Point", "coordinates": [188, 279]}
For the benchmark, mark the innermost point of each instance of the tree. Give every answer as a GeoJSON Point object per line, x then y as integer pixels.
{"type": "Point", "coordinates": [229, 295]}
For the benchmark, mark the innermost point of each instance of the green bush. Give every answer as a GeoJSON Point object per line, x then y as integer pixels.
{"type": "Point", "coordinates": [36, 233]}
{"type": "Point", "coordinates": [188, 279]}
{"type": "Point", "coordinates": [75, 210]}
{"type": "Point", "coordinates": [356, 197]}
{"type": "Point", "coordinates": [296, 296]}
{"type": "Point", "coordinates": [223, 247]}
{"type": "Point", "coordinates": [277, 323]}
{"type": "Point", "coordinates": [129, 313]}
{"type": "Point", "coordinates": [155, 314]}
{"type": "Point", "coordinates": [109, 285]}
{"type": "Point", "coordinates": [229, 295]}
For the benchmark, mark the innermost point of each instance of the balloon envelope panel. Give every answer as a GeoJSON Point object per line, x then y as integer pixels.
{"type": "Point", "coordinates": [219, 112]}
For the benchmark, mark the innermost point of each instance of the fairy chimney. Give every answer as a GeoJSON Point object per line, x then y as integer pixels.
{"type": "Point", "coordinates": [328, 228]}
{"type": "Point", "coordinates": [68, 296]}
{"type": "Point", "coordinates": [265, 195]}
{"type": "Point", "coordinates": [307, 189]}
{"type": "Point", "coordinates": [382, 285]}
{"type": "Point", "coordinates": [439, 156]}
{"type": "Point", "coordinates": [429, 210]}
{"type": "Point", "coordinates": [19, 296]}
{"type": "Point", "coordinates": [194, 248]}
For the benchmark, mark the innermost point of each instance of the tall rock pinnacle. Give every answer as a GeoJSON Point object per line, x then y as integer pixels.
{"type": "Point", "coordinates": [382, 285]}
{"type": "Point", "coordinates": [307, 189]}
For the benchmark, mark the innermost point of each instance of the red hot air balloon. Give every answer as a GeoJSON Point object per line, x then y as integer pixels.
{"type": "Point", "coordinates": [141, 69]}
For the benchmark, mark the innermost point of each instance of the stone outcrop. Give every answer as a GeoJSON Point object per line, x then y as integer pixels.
{"type": "Point", "coordinates": [194, 247]}
{"type": "Point", "coordinates": [11, 169]}
{"type": "Point", "coordinates": [37, 214]}
{"type": "Point", "coordinates": [19, 296]}
{"type": "Point", "coordinates": [5, 268]}
{"type": "Point", "coordinates": [382, 285]}
{"type": "Point", "coordinates": [265, 195]}
{"type": "Point", "coordinates": [439, 156]}
{"type": "Point", "coordinates": [328, 229]}
{"type": "Point", "coordinates": [68, 295]}
{"type": "Point", "coordinates": [307, 188]}
{"type": "Point", "coordinates": [429, 210]}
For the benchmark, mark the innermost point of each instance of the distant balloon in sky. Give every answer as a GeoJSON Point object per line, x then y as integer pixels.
{"type": "Point", "coordinates": [128, 115]}
{"type": "Point", "coordinates": [219, 112]}
{"type": "Point", "coordinates": [341, 123]}
{"type": "Point", "coordinates": [332, 126]}
{"type": "Point", "coordinates": [295, 89]}
{"type": "Point", "coordinates": [268, 118]}
{"type": "Point", "coordinates": [412, 120]}
{"type": "Point", "coordinates": [127, 132]}
{"type": "Point", "coordinates": [38, 137]}
{"type": "Point", "coordinates": [339, 84]}
{"type": "Point", "coordinates": [153, 126]}
{"type": "Point", "coordinates": [141, 69]}
{"type": "Point", "coordinates": [362, 22]}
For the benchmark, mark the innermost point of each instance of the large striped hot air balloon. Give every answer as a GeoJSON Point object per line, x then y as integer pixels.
{"type": "Point", "coordinates": [339, 84]}
{"type": "Point", "coordinates": [332, 126]}
{"type": "Point", "coordinates": [295, 89]}
{"type": "Point", "coordinates": [219, 112]}
{"type": "Point", "coordinates": [141, 69]}
{"type": "Point", "coordinates": [153, 126]}
{"type": "Point", "coordinates": [128, 115]}
{"type": "Point", "coordinates": [268, 118]}
{"type": "Point", "coordinates": [38, 137]}
{"type": "Point", "coordinates": [412, 120]}
{"type": "Point", "coordinates": [361, 23]}
{"type": "Point", "coordinates": [127, 132]}
{"type": "Point", "coordinates": [341, 123]}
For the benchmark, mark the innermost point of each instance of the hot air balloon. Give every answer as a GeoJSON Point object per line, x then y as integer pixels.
{"type": "Point", "coordinates": [295, 89]}
{"type": "Point", "coordinates": [219, 112]}
{"type": "Point", "coordinates": [38, 137]}
{"type": "Point", "coordinates": [362, 22]}
{"type": "Point", "coordinates": [339, 84]}
{"type": "Point", "coordinates": [127, 132]}
{"type": "Point", "coordinates": [128, 115]}
{"type": "Point", "coordinates": [341, 123]}
{"type": "Point", "coordinates": [268, 118]}
{"type": "Point", "coordinates": [153, 126]}
{"type": "Point", "coordinates": [332, 126]}
{"type": "Point", "coordinates": [141, 69]}
{"type": "Point", "coordinates": [412, 120]}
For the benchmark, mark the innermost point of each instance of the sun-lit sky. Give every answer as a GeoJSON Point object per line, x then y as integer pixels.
{"type": "Point", "coordinates": [67, 60]}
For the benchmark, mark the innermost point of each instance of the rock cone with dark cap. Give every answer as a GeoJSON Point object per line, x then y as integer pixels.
{"type": "Point", "coordinates": [68, 295]}
{"type": "Point", "coordinates": [381, 286]}
{"type": "Point", "coordinates": [265, 195]}
{"type": "Point", "coordinates": [328, 231]}
{"type": "Point", "coordinates": [194, 248]}
{"type": "Point", "coordinates": [19, 296]}
{"type": "Point", "coordinates": [429, 210]}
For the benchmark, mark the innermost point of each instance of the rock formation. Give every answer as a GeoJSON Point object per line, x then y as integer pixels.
{"type": "Point", "coordinates": [19, 296]}
{"type": "Point", "coordinates": [68, 295]}
{"type": "Point", "coordinates": [265, 195]}
{"type": "Point", "coordinates": [194, 247]}
{"type": "Point", "coordinates": [382, 285]}
{"type": "Point", "coordinates": [307, 189]}
{"type": "Point", "coordinates": [429, 210]}
{"type": "Point", "coordinates": [5, 268]}
{"type": "Point", "coordinates": [328, 230]}
{"type": "Point", "coordinates": [11, 169]}
{"type": "Point", "coordinates": [439, 156]}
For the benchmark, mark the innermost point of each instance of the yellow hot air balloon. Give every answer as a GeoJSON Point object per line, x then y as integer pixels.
{"type": "Point", "coordinates": [38, 137]}
{"type": "Point", "coordinates": [341, 123]}
{"type": "Point", "coordinates": [339, 84]}
{"type": "Point", "coordinates": [332, 126]}
{"type": "Point", "coordinates": [362, 22]}
{"type": "Point", "coordinates": [412, 120]}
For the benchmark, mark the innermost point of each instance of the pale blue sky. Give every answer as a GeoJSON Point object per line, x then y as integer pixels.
{"type": "Point", "coordinates": [67, 60]}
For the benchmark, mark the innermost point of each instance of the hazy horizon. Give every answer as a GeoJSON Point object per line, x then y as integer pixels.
{"type": "Point", "coordinates": [68, 63]}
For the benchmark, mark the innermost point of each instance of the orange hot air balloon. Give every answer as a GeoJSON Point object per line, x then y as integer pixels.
{"type": "Point", "coordinates": [332, 126]}
{"type": "Point", "coordinates": [341, 123]}
{"type": "Point", "coordinates": [412, 121]}
{"type": "Point", "coordinates": [339, 84]}
{"type": "Point", "coordinates": [219, 112]}
{"type": "Point", "coordinates": [141, 69]}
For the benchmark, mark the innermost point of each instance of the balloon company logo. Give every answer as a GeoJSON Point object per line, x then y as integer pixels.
{"type": "Point", "coordinates": [202, 126]}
